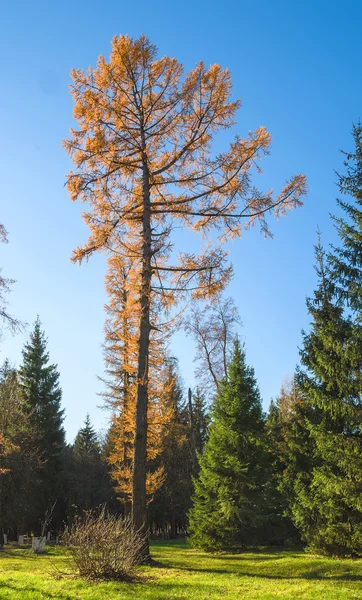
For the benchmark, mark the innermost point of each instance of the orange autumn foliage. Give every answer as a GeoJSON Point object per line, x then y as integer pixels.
{"type": "Point", "coordinates": [144, 165]}
{"type": "Point", "coordinates": [120, 352]}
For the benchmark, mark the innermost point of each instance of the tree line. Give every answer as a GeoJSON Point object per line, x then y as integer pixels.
{"type": "Point", "coordinates": [212, 462]}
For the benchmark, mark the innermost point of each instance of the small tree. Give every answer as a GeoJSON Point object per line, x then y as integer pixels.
{"type": "Point", "coordinates": [214, 329]}
{"type": "Point", "coordinates": [88, 470]}
{"type": "Point", "coordinates": [9, 322]}
{"type": "Point", "coordinates": [228, 499]}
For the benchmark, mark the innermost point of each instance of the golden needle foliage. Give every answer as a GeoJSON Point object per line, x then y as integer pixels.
{"type": "Point", "coordinates": [144, 165]}
{"type": "Point", "coordinates": [120, 352]}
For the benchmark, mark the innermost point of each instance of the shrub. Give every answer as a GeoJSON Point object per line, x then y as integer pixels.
{"type": "Point", "coordinates": [104, 546]}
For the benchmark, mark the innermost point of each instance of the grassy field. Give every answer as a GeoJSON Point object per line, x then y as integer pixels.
{"type": "Point", "coordinates": [180, 572]}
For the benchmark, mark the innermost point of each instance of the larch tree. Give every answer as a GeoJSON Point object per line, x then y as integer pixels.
{"type": "Point", "coordinates": [144, 164]}
{"type": "Point", "coordinates": [214, 330]}
{"type": "Point", "coordinates": [120, 351]}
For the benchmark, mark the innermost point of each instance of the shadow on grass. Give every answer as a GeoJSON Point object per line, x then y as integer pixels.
{"type": "Point", "coordinates": [31, 588]}
{"type": "Point", "coordinates": [312, 575]}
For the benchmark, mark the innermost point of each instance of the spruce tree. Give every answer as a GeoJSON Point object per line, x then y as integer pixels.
{"type": "Point", "coordinates": [228, 501]}
{"type": "Point", "coordinates": [327, 495]}
{"type": "Point", "coordinates": [89, 481]}
{"type": "Point", "coordinates": [86, 441]}
{"type": "Point", "coordinates": [200, 419]}
{"type": "Point", "coordinates": [39, 383]}
{"type": "Point", "coordinates": [346, 260]}
{"type": "Point", "coordinates": [168, 510]}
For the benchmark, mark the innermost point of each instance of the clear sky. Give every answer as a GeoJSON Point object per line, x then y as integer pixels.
{"type": "Point", "coordinates": [296, 67]}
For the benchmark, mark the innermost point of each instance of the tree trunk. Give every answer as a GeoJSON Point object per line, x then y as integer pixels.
{"type": "Point", "coordinates": [127, 444]}
{"type": "Point", "coordinates": [139, 504]}
{"type": "Point", "coordinates": [192, 436]}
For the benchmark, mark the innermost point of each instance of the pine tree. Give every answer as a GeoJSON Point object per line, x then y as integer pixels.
{"type": "Point", "coordinates": [227, 509]}
{"type": "Point", "coordinates": [39, 383]}
{"type": "Point", "coordinates": [327, 495]}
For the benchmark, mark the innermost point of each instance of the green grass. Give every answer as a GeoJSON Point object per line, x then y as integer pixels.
{"type": "Point", "coordinates": [181, 572]}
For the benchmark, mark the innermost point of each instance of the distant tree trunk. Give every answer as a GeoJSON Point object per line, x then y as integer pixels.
{"type": "Point", "coordinates": [192, 435]}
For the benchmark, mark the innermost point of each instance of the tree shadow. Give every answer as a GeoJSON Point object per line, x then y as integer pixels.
{"type": "Point", "coordinates": [31, 588]}
{"type": "Point", "coordinates": [312, 575]}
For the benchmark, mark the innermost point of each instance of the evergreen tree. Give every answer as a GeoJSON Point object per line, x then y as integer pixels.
{"type": "Point", "coordinates": [200, 419]}
{"type": "Point", "coordinates": [39, 383]}
{"type": "Point", "coordinates": [86, 442]}
{"type": "Point", "coordinates": [346, 260]}
{"type": "Point", "coordinates": [19, 460]}
{"type": "Point", "coordinates": [287, 443]}
{"type": "Point", "coordinates": [228, 501]}
{"type": "Point", "coordinates": [168, 510]}
{"type": "Point", "coordinates": [327, 495]}
{"type": "Point", "coordinates": [90, 482]}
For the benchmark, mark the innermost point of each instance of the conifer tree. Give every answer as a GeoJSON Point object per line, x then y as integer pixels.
{"type": "Point", "coordinates": [200, 419]}
{"type": "Point", "coordinates": [89, 473]}
{"type": "Point", "coordinates": [228, 505]}
{"type": "Point", "coordinates": [39, 383]}
{"type": "Point", "coordinates": [144, 163]}
{"type": "Point", "coordinates": [172, 501]}
{"type": "Point", "coordinates": [86, 441]}
{"type": "Point", "coordinates": [346, 260]}
{"type": "Point", "coordinates": [327, 496]}
{"type": "Point", "coordinates": [288, 443]}
{"type": "Point", "coordinates": [19, 461]}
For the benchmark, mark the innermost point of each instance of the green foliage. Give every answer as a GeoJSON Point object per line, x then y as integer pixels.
{"type": "Point", "coordinates": [280, 428]}
{"type": "Point", "coordinates": [228, 507]}
{"type": "Point", "coordinates": [346, 260]}
{"type": "Point", "coordinates": [200, 419]}
{"type": "Point", "coordinates": [86, 443]}
{"type": "Point", "coordinates": [20, 461]}
{"type": "Point", "coordinates": [39, 383]}
{"type": "Point", "coordinates": [168, 510]}
{"type": "Point", "coordinates": [89, 483]}
{"type": "Point", "coordinates": [328, 490]}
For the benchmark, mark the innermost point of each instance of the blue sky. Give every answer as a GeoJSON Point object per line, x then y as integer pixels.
{"type": "Point", "coordinates": [296, 67]}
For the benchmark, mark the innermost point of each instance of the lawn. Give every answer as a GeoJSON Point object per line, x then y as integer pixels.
{"type": "Point", "coordinates": [178, 571]}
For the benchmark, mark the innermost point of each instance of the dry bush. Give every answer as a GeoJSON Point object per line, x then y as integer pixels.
{"type": "Point", "coordinates": [104, 546]}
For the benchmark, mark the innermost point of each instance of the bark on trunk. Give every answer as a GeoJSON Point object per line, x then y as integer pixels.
{"type": "Point", "coordinates": [139, 504]}
{"type": "Point", "coordinates": [127, 444]}
{"type": "Point", "coordinates": [192, 435]}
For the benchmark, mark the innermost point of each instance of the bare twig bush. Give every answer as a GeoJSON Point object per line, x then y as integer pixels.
{"type": "Point", "coordinates": [104, 546]}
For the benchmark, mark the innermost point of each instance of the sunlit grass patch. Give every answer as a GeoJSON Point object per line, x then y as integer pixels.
{"type": "Point", "coordinates": [180, 572]}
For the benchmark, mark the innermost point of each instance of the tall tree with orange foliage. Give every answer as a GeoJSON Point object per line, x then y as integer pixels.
{"type": "Point", "coordinates": [120, 350]}
{"type": "Point", "coordinates": [144, 164]}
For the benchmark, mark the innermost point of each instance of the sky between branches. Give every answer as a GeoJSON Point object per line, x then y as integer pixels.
{"type": "Point", "coordinates": [296, 68]}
